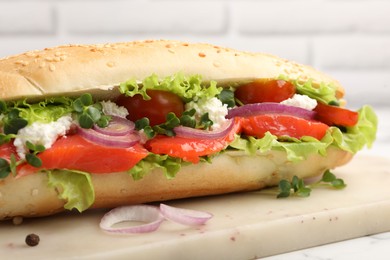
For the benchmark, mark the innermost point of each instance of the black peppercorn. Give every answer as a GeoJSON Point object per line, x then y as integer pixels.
{"type": "Point", "coordinates": [32, 239]}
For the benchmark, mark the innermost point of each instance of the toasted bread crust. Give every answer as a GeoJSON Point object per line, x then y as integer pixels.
{"type": "Point", "coordinates": [30, 196]}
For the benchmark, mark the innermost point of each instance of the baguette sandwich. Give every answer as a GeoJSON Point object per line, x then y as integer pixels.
{"type": "Point", "coordinates": [99, 126]}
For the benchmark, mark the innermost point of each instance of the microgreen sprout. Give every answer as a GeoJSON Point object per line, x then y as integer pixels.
{"type": "Point", "coordinates": [295, 187]}
{"type": "Point", "coordinates": [227, 97]}
{"type": "Point", "coordinates": [299, 188]}
{"type": "Point", "coordinates": [89, 113]}
{"type": "Point", "coordinates": [7, 167]}
{"type": "Point", "coordinates": [328, 178]}
{"type": "Point", "coordinates": [32, 157]}
{"type": "Point", "coordinates": [165, 128]}
{"type": "Point", "coordinates": [186, 119]}
{"type": "Point", "coordinates": [6, 138]}
{"type": "Point", "coordinates": [12, 122]}
{"type": "Point", "coordinates": [205, 121]}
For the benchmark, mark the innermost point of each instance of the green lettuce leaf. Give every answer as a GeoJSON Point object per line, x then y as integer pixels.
{"type": "Point", "coordinates": [46, 111]}
{"type": "Point", "coordinates": [323, 92]}
{"type": "Point", "coordinates": [360, 135]}
{"type": "Point", "coordinates": [75, 187]}
{"type": "Point", "coordinates": [169, 165]}
{"type": "Point", "coordinates": [352, 140]}
{"type": "Point", "coordinates": [296, 149]}
{"type": "Point", "coordinates": [188, 88]}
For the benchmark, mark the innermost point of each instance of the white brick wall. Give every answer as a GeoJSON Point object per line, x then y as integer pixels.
{"type": "Point", "coordinates": [349, 39]}
{"type": "Point", "coordinates": [143, 17]}
{"type": "Point", "coordinates": [32, 18]}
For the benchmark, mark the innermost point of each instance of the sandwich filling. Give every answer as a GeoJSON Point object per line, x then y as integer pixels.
{"type": "Point", "coordinates": [169, 123]}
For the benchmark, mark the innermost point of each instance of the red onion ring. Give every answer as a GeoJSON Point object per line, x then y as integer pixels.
{"type": "Point", "coordinates": [184, 131]}
{"type": "Point", "coordinates": [270, 108]}
{"type": "Point", "coordinates": [185, 216]}
{"type": "Point", "coordinates": [122, 141]}
{"type": "Point", "coordinates": [152, 216]}
{"type": "Point", "coordinates": [118, 126]}
{"type": "Point", "coordinates": [144, 213]}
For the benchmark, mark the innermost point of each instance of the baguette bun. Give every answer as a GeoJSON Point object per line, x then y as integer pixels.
{"type": "Point", "coordinates": [98, 69]}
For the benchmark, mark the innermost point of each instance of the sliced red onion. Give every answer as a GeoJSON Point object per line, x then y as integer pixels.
{"type": "Point", "coordinates": [122, 141]}
{"type": "Point", "coordinates": [152, 217]}
{"type": "Point", "coordinates": [189, 132]}
{"type": "Point", "coordinates": [118, 126]}
{"type": "Point", "coordinates": [270, 108]}
{"type": "Point", "coordinates": [143, 213]}
{"type": "Point", "coordinates": [185, 216]}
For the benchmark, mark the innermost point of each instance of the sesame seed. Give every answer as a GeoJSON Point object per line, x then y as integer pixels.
{"type": "Point", "coordinates": [201, 54]}
{"type": "Point", "coordinates": [31, 54]}
{"type": "Point", "coordinates": [34, 192]}
{"type": "Point", "coordinates": [21, 62]}
{"type": "Point", "coordinates": [52, 67]}
{"type": "Point", "coordinates": [216, 64]}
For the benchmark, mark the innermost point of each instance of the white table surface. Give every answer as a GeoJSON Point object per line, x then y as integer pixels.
{"type": "Point", "coordinates": [370, 247]}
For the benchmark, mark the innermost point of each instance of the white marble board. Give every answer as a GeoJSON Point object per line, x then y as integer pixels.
{"type": "Point", "coordinates": [245, 226]}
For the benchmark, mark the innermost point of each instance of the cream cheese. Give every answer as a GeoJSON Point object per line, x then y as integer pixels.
{"type": "Point", "coordinates": [41, 133]}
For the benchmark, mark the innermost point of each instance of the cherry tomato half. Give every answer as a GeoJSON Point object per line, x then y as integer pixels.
{"type": "Point", "coordinates": [156, 109]}
{"type": "Point", "coordinates": [333, 115]}
{"type": "Point", "coordinates": [264, 90]}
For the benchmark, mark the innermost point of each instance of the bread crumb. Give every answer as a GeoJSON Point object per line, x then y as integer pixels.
{"type": "Point", "coordinates": [17, 220]}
